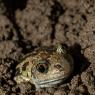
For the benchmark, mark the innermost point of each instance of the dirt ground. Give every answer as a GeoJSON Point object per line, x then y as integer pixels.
{"type": "Point", "coordinates": [27, 24]}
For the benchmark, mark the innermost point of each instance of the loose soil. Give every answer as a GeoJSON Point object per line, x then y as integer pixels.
{"type": "Point", "coordinates": [27, 24]}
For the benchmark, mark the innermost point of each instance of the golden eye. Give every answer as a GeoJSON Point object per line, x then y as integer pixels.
{"type": "Point", "coordinates": [43, 66]}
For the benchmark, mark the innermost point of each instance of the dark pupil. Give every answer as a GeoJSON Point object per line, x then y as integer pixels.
{"type": "Point", "coordinates": [42, 67]}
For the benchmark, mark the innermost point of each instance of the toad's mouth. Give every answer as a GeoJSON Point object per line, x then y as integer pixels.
{"type": "Point", "coordinates": [51, 81]}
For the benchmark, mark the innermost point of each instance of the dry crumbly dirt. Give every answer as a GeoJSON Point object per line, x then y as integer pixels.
{"type": "Point", "coordinates": [27, 24]}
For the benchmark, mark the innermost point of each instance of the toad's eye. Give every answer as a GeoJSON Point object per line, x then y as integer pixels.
{"type": "Point", "coordinates": [43, 66]}
{"type": "Point", "coordinates": [59, 67]}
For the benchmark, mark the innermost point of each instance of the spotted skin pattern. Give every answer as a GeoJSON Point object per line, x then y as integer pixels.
{"type": "Point", "coordinates": [45, 67]}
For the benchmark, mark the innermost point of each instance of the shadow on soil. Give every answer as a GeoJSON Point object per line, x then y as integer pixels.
{"type": "Point", "coordinates": [80, 62]}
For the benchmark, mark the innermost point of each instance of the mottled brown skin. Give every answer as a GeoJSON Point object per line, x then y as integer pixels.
{"type": "Point", "coordinates": [45, 67]}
